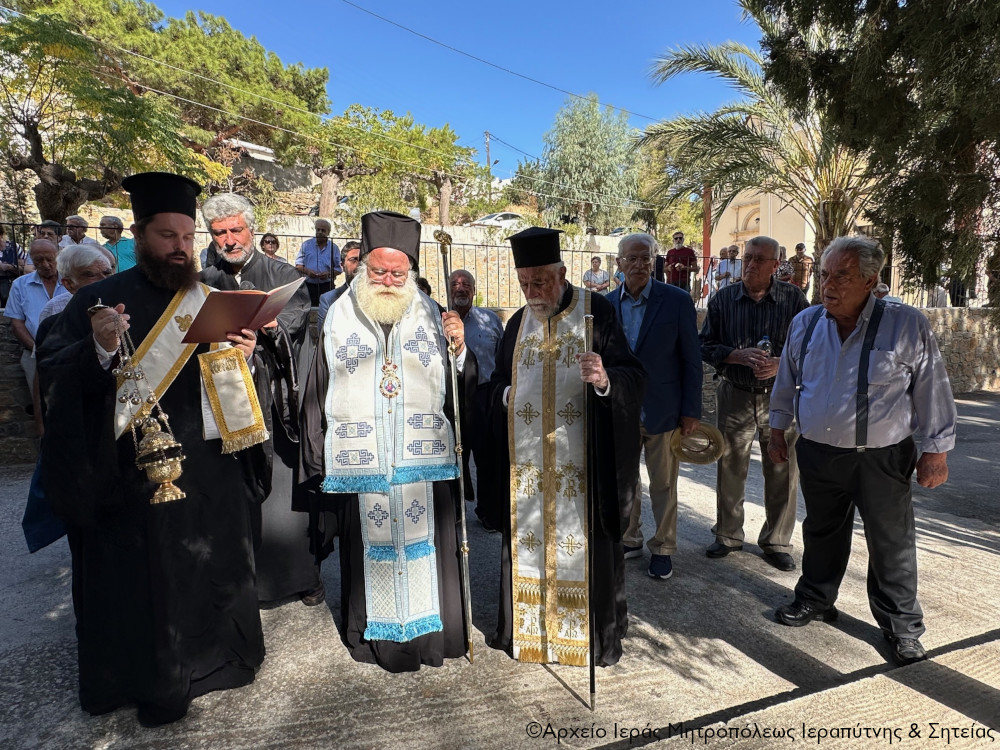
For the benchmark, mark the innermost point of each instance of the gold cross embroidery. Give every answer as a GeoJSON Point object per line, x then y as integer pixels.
{"type": "Point", "coordinates": [528, 413]}
{"type": "Point", "coordinates": [570, 545]}
{"type": "Point", "coordinates": [183, 322]}
{"type": "Point", "coordinates": [569, 413]}
{"type": "Point", "coordinates": [530, 541]}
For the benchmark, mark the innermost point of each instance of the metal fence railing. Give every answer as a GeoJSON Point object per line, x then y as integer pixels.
{"type": "Point", "coordinates": [496, 277]}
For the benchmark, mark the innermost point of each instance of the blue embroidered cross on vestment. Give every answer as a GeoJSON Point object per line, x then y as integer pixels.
{"type": "Point", "coordinates": [353, 351]}
{"type": "Point", "coordinates": [422, 346]}
{"type": "Point", "coordinates": [415, 511]}
{"type": "Point", "coordinates": [378, 514]}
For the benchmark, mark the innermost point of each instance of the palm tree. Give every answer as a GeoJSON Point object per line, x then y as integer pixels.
{"type": "Point", "coordinates": [759, 144]}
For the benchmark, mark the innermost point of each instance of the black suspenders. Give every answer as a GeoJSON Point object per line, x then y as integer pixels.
{"type": "Point", "coordinates": [861, 422]}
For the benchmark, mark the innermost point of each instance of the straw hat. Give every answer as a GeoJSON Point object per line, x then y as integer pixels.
{"type": "Point", "coordinates": [703, 446]}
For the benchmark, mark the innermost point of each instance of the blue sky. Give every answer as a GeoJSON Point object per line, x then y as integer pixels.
{"type": "Point", "coordinates": [582, 47]}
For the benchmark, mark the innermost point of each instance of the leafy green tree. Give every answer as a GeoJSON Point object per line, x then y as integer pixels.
{"type": "Point", "coordinates": [100, 116]}
{"type": "Point", "coordinates": [147, 52]}
{"type": "Point", "coordinates": [913, 83]}
{"type": "Point", "coordinates": [589, 164]}
{"type": "Point", "coordinates": [64, 118]}
{"type": "Point", "coordinates": [443, 163]}
{"type": "Point", "coordinates": [352, 145]}
{"type": "Point", "coordinates": [761, 144]}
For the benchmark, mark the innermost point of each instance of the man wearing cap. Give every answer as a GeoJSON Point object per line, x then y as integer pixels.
{"type": "Point", "coordinates": [681, 263]}
{"type": "Point", "coordinates": [164, 593]}
{"type": "Point", "coordinates": [285, 567]}
{"type": "Point", "coordinates": [571, 420]}
{"type": "Point", "coordinates": [378, 449]}
{"type": "Point", "coordinates": [662, 329]}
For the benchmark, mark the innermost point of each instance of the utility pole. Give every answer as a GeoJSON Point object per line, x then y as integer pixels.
{"type": "Point", "coordinates": [489, 165]}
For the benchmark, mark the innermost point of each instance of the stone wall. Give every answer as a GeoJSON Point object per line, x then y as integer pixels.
{"type": "Point", "coordinates": [18, 435]}
{"type": "Point", "coordinates": [971, 347]}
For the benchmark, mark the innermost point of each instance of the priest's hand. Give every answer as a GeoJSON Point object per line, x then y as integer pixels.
{"type": "Point", "coordinates": [454, 330]}
{"type": "Point", "coordinates": [592, 370]}
{"type": "Point", "coordinates": [106, 324]}
{"type": "Point", "coordinates": [245, 341]}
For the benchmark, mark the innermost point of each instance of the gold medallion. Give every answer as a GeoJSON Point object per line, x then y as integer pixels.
{"type": "Point", "coordinates": [390, 383]}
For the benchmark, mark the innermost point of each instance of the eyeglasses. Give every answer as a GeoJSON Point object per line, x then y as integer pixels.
{"type": "Point", "coordinates": [638, 260]}
{"type": "Point", "coordinates": [380, 273]}
{"type": "Point", "coordinates": [269, 242]}
{"type": "Point", "coordinates": [748, 259]}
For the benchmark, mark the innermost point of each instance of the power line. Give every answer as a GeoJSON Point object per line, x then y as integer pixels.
{"type": "Point", "coordinates": [487, 62]}
{"type": "Point", "coordinates": [381, 158]}
{"type": "Point", "coordinates": [494, 137]}
{"type": "Point", "coordinates": [262, 97]}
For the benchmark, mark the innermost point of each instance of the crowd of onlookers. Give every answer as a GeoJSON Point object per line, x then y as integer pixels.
{"type": "Point", "coordinates": [680, 266]}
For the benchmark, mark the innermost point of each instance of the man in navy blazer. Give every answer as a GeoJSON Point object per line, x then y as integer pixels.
{"type": "Point", "coordinates": [661, 327]}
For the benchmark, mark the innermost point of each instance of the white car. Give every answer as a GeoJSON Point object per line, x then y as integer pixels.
{"type": "Point", "coordinates": [504, 220]}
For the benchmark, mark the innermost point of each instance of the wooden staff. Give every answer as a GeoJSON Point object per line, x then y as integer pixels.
{"type": "Point", "coordinates": [444, 241]}
{"type": "Point", "coordinates": [588, 323]}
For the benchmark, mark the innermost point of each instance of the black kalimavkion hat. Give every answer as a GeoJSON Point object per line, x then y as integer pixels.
{"type": "Point", "coordinates": [535, 246]}
{"type": "Point", "coordinates": [161, 193]}
{"type": "Point", "coordinates": [390, 229]}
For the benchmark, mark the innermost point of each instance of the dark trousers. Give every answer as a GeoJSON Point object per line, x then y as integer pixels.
{"type": "Point", "coordinates": [315, 290]}
{"type": "Point", "coordinates": [835, 481]}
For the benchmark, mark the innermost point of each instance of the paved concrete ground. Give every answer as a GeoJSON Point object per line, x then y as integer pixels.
{"type": "Point", "coordinates": [703, 655]}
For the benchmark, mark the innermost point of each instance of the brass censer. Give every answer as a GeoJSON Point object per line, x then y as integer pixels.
{"type": "Point", "coordinates": [158, 453]}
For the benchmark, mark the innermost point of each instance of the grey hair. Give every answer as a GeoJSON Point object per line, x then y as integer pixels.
{"type": "Point", "coordinates": [74, 258]}
{"type": "Point", "coordinates": [648, 239]}
{"type": "Point", "coordinates": [113, 220]}
{"type": "Point", "coordinates": [762, 240]}
{"type": "Point", "coordinates": [323, 221]}
{"type": "Point", "coordinates": [882, 287]}
{"type": "Point", "coordinates": [77, 217]}
{"type": "Point", "coordinates": [462, 272]}
{"type": "Point", "coordinates": [871, 257]}
{"type": "Point", "coordinates": [224, 205]}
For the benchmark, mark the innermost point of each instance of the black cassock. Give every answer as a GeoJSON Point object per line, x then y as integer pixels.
{"type": "Point", "coordinates": [164, 595]}
{"type": "Point", "coordinates": [285, 566]}
{"type": "Point", "coordinates": [430, 649]}
{"type": "Point", "coordinates": [614, 440]}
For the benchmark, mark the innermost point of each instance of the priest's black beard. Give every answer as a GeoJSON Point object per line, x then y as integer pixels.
{"type": "Point", "coordinates": [165, 273]}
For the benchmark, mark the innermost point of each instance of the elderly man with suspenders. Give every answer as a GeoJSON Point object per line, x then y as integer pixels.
{"type": "Point", "coordinates": [860, 376]}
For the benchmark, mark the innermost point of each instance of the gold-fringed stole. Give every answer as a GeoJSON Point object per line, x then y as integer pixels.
{"type": "Point", "coordinates": [162, 354]}
{"type": "Point", "coordinates": [548, 489]}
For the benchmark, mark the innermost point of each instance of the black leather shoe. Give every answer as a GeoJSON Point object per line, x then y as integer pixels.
{"type": "Point", "coordinates": [905, 650]}
{"type": "Point", "coordinates": [314, 597]}
{"type": "Point", "coordinates": [779, 560]}
{"type": "Point", "coordinates": [800, 613]}
{"type": "Point", "coordinates": [718, 549]}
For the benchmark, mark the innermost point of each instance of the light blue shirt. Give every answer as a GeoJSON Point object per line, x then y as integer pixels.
{"type": "Point", "coordinates": [633, 311]}
{"type": "Point", "coordinates": [27, 298]}
{"type": "Point", "coordinates": [317, 259]}
{"type": "Point", "coordinates": [908, 390]}
{"type": "Point", "coordinates": [124, 252]}
{"type": "Point", "coordinates": [483, 331]}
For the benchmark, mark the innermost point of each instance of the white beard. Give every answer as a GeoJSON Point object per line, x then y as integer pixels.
{"type": "Point", "coordinates": [542, 310]}
{"type": "Point", "coordinates": [381, 303]}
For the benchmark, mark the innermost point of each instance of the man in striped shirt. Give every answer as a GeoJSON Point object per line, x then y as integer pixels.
{"type": "Point", "coordinates": [739, 317]}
